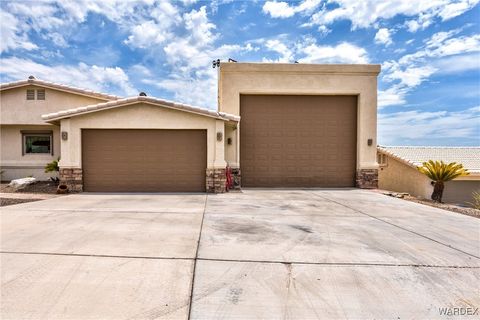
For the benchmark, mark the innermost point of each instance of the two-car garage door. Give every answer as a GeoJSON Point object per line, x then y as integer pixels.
{"type": "Point", "coordinates": [298, 141]}
{"type": "Point", "coordinates": [115, 160]}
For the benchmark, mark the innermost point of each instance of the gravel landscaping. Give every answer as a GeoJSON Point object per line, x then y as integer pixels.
{"type": "Point", "coordinates": [40, 187]}
{"type": "Point", "coordinates": [445, 206]}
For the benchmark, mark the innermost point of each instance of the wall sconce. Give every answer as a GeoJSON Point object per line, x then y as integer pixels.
{"type": "Point", "coordinates": [370, 142]}
{"type": "Point", "coordinates": [229, 141]}
{"type": "Point", "coordinates": [219, 136]}
{"type": "Point", "coordinates": [64, 135]}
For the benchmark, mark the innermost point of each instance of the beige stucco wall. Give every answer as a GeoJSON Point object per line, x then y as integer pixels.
{"type": "Point", "coordinates": [307, 79]}
{"type": "Point", "coordinates": [16, 109]}
{"type": "Point", "coordinates": [140, 116]}
{"type": "Point", "coordinates": [460, 191]}
{"type": "Point", "coordinates": [399, 177]}
{"type": "Point", "coordinates": [17, 165]}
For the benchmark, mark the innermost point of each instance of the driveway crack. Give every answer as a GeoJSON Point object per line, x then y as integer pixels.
{"type": "Point", "coordinates": [196, 258]}
{"type": "Point", "coordinates": [397, 226]}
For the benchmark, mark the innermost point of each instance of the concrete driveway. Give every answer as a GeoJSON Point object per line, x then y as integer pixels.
{"type": "Point", "coordinates": [268, 254]}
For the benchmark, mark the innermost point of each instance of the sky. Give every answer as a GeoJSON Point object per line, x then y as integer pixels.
{"type": "Point", "coordinates": [428, 90]}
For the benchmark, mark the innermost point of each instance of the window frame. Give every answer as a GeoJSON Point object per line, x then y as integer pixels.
{"type": "Point", "coordinates": [43, 133]}
{"type": "Point", "coordinates": [33, 96]}
{"type": "Point", "coordinates": [384, 158]}
{"type": "Point", "coordinates": [44, 94]}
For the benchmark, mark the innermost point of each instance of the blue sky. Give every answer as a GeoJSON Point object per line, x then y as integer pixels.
{"type": "Point", "coordinates": [429, 88]}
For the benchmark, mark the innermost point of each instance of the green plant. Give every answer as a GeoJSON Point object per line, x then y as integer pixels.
{"type": "Point", "coordinates": [52, 166]}
{"type": "Point", "coordinates": [476, 200]}
{"type": "Point", "coordinates": [440, 172]}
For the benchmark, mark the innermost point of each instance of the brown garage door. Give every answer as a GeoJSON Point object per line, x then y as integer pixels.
{"type": "Point", "coordinates": [144, 160]}
{"type": "Point", "coordinates": [298, 141]}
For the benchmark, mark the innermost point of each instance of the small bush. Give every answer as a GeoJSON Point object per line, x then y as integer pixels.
{"type": "Point", "coordinates": [476, 200]}
{"type": "Point", "coordinates": [52, 166]}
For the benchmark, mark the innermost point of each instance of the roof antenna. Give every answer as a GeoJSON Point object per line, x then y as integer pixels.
{"type": "Point", "coordinates": [31, 78]}
{"type": "Point", "coordinates": [231, 60]}
{"type": "Point", "coordinates": [216, 63]}
{"type": "Point", "coordinates": [142, 94]}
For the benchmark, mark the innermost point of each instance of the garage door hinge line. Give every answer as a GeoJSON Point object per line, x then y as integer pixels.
{"type": "Point", "coordinates": [397, 226]}
{"type": "Point", "coordinates": [196, 258]}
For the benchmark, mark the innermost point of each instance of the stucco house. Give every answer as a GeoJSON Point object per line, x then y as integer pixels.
{"type": "Point", "coordinates": [277, 125]}
{"type": "Point", "coordinates": [398, 171]}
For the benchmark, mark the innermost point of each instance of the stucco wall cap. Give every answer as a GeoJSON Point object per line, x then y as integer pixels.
{"type": "Point", "coordinates": [304, 68]}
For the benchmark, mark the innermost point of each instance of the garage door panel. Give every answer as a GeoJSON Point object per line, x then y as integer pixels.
{"type": "Point", "coordinates": [144, 160]}
{"type": "Point", "coordinates": [304, 141]}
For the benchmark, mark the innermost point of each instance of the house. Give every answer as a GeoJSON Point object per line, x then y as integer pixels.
{"type": "Point", "coordinates": [398, 171]}
{"type": "Point", "coordinates": [27, 142]}
{"type": "Point", "coordinates": [278, 125]}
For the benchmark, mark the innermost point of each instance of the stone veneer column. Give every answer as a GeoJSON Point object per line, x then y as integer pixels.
{"type": "Point", "coordinates": [72, 178]}
{"type": "Point", "coordinates": [367, 178]}
{"type": "Point", "coordinates": [216, 180]}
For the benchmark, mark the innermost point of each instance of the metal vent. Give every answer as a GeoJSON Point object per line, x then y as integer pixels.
{"type": "Point", "coordinates": [41, 94]}
{"type": "Point", "coordinates": [30, 94]}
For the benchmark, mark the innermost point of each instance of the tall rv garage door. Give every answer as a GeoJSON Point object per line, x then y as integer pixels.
{"type": "Point", "coordinates": [298, 141]}
{"type": "Point", "coordinates": [144, 160]}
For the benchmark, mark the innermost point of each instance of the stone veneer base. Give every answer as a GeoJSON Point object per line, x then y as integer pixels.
{"type": "Point", "coordinates": [367, 178]}
{"type": "Point", "coordinates": [216, 180]}
{"type": "Point", "coordinates": [72, 178]}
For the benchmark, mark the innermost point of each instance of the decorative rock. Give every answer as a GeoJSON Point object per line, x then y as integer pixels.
{"type": "Point", "coordinates": [22, 183]}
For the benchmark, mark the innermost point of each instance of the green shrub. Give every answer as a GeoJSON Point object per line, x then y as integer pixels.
{"type": "Point", "coordinates": [476, 200]}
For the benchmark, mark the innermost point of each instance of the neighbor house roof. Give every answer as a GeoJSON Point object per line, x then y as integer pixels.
{"type": "Point", "coordinates": [56, 86]}
{"type": "Point", "coordinates": [133, 100]}
{"type": "Point", "coordinates": [469, 157]}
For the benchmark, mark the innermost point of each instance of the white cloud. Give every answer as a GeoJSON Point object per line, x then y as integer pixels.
{"type": "Point", "coordinates": [383, 36]}
{"type": "Point", "coordinates": [410, 77]}
{"type": "Point", "coordinates": [284, 10]}
{"type": "Point", "coordinates": [12, 35]}
{"type": "Point", "coordinates": [286, 54]}
{"type": "Point", "coordinates": [413, 69]}
{"type": "Point", "coordinates": [392, 96]}
{"type": "Point", "coordinates": [409, 126]}
{"type": "Point", "coordinates": [199, 27]}
{"type": "Point", "coordinates": [458, 63]}
{"type": "Point", "coordinates": [366, 13]}
{"type": "Point", "coordinates": [147, 34]}
{"type": "Point", "coordinates": [82, 75]}
{"type": "Point", "coordinates": [342, 53]}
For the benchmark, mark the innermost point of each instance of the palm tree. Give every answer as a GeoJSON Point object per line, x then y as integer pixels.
{"type": "Point", "coordinates": [440, 173]}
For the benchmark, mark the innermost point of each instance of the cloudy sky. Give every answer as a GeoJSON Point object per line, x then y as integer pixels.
{"type": "Point", "coordinates": [429, 88]}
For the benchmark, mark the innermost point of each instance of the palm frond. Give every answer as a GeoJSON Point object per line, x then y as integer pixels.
{"type": "Point", "coordinates": [441, 171]}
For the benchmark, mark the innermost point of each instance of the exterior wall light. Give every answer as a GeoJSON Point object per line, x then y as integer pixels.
{"type": "Point", "coordinates": [64, 135]}
{"type": "Point", "coordinates": [219, 136]}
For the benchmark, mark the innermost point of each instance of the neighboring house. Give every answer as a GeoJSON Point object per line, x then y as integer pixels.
{"type": "Point", "coordinates": [398, 171]}
{"type": "Point", "coordinates": [278, 125]}
{"type": "Point", "coordinates": [28, 143]}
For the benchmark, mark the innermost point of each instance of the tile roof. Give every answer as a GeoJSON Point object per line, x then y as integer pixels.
{"type": "Point", "coordinates": [132, 100]}
{"type": "Point", "coordinates": [57, 86]}
{"type": "Point", "coordinates": [469, 157]}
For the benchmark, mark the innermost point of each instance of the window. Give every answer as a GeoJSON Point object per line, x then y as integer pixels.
{"type": "Point", "coordinates": [40, 142]}
{"type": "Point", "coordinates": [30, 94]}
{"type": "Point", "coordinates": [41, 94]}
{"type": "Point", "coordinates": [382, 159]}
